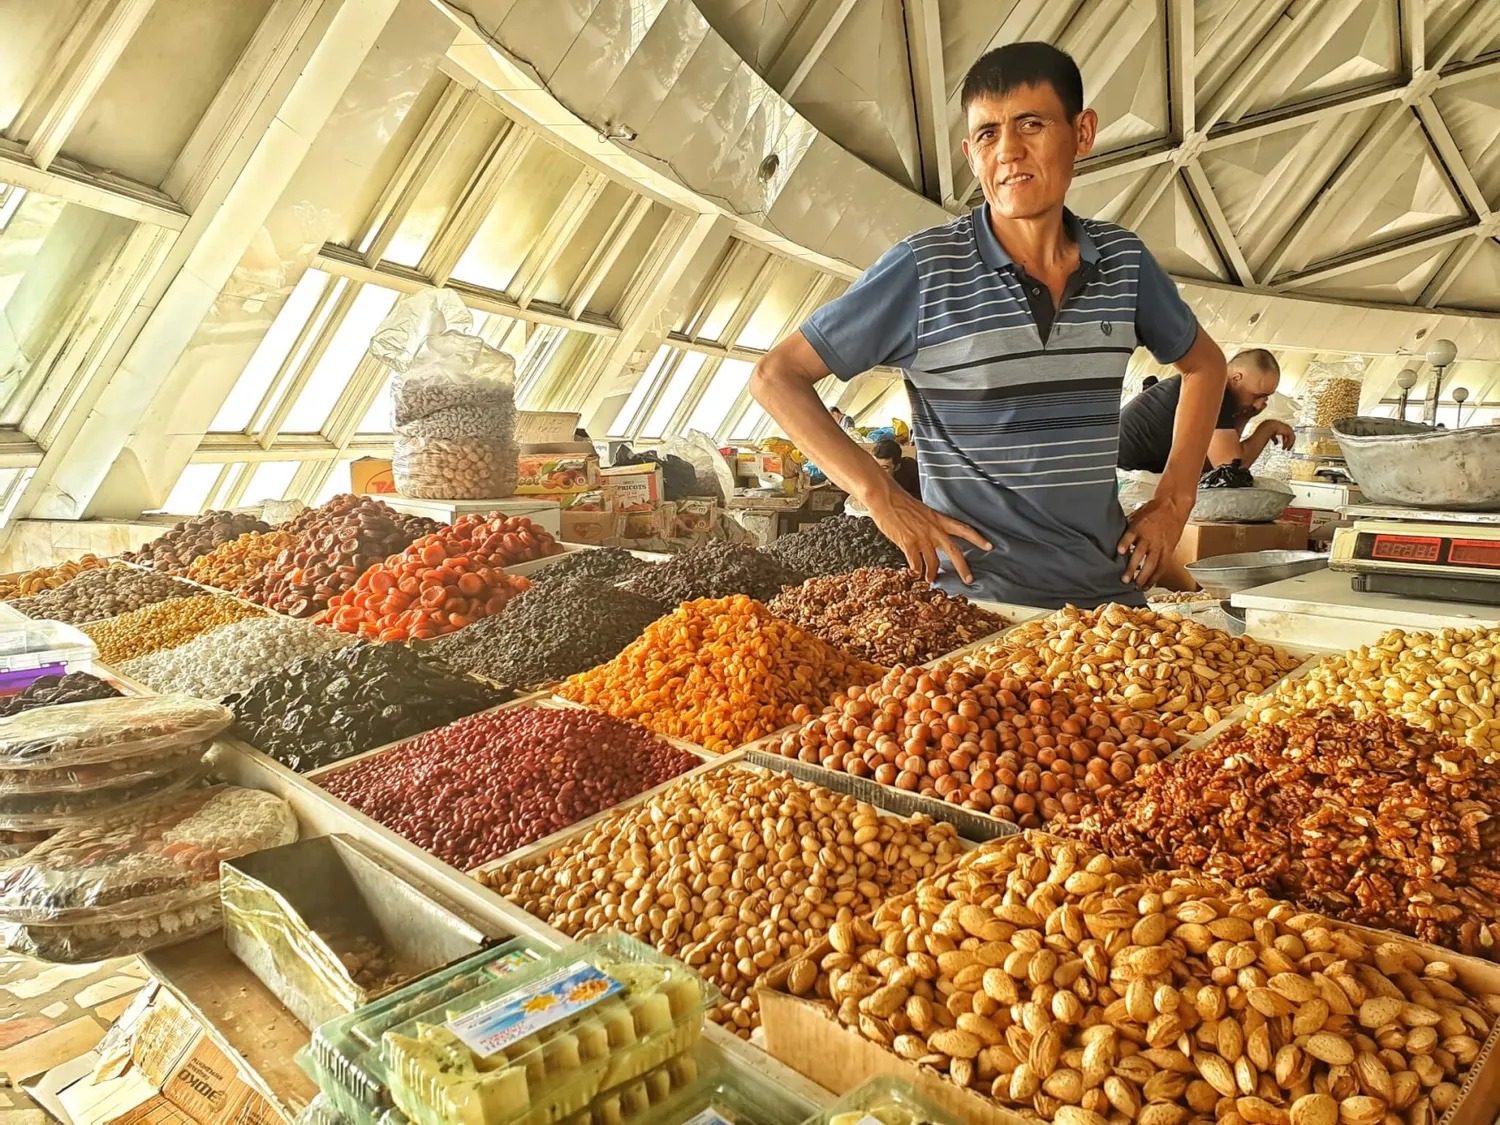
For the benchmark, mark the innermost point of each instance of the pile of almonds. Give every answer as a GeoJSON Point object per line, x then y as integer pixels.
{"type": "Point", "coordinates": [1186, 672]}
{"type": "Point", "coordinates": [1047, 976]}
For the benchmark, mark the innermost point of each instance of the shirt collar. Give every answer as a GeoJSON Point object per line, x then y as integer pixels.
{"type": "Point", "coordinates": [994, 255]}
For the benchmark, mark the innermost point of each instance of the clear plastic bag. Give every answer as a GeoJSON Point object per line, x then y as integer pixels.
{"type": "Point", "coordinates": [108, 730]}
{"type": "Point", "coordinates": [452, 401]}
{"type": "Point", "coordinates": [439, 469]}
{"type": "Point", "coordinates": [1330, 392]}
{"type": "Point", "coordinates": [158, 858]}
{"type": "Point", "coordinates": [30, 810]}
{"type": "Point", "coordinates": [85, 941]}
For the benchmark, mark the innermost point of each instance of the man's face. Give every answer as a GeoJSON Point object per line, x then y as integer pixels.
{"type": "Point", "coordinates": [1252, 389]}
{"type": "Point", "coordinates": [886, 464]}
{"type": "Point", "coordinates": [1022, 146]}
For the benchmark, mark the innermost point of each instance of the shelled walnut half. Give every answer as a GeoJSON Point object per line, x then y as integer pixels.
{"type": "Point", "coordinates": [1050, 977]}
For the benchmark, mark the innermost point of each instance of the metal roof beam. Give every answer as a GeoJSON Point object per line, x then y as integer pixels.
{"type": "Point", "coordinates": [929, 81]}
{"type": "Point", "coordinates": [87, 56]}
{"type": "Point", "coordinates": [820, 21]}
{"type": "Point", "coordinates": [1182, 88]}
{"type": "Point", "coordinates": [72, 183]}
{"type": "Point", "coordinates": [1443, 280]}
{"type": "Point", "coordinates": [1369, 147]}
{"type": "Point", "coordinates": [1413, 14]}
{"type": "Point", "coordinates": [1452, 158]}
{"type": "Point", "coordinates": [1380, 254]}
{"type": "Point", "coordinates": [1218, 223]}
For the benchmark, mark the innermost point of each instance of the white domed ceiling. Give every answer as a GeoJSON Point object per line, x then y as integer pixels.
{"type": "Point", "coordinates": [1340, 148]}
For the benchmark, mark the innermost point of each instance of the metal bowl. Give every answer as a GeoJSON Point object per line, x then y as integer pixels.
{"type": "Point", "coordinates": [1260, 504]}
{"type": "Point", "coordinates": [1417, 466]}
{"type": "Point", "coordinates": [1223, 575]}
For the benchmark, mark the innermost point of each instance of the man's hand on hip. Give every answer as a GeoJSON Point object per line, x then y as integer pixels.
{"type": "Point", "coordinates": [923, 534]}
{"type": "Point", "coordinates": [1155, 528]}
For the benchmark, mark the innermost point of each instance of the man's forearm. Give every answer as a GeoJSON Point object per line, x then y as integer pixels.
{"type": "Point", "coordinates": [1204, 373]}
{"type": "Point", "coordinates": [793, 402]}
{"type": "Point", "coordinates": [1252, 446]}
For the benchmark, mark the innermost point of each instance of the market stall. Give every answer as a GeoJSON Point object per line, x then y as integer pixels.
{"type": "Point", "coordinates": [752, 778]}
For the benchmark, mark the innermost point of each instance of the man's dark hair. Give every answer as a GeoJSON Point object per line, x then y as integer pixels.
{"type": "Point", "coordinates": [1014, 65]}
{"type": "Point", "coordinates": [1257, 357]}
{"type": "Point", "coordinates": [887, 449]}
{"type": "Point", "coordinates": [1148, 382]}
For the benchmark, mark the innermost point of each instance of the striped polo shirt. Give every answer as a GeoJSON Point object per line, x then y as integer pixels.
{"type": "Point", "coordinates": [1016, 421]}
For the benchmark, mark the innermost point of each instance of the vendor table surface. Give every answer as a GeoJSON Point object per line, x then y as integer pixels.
{"type": "Point", "coordinates": [1321, 610]}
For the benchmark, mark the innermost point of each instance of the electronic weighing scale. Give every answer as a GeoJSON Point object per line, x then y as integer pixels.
{"type": "Point", "coordinates": [1420, 553]}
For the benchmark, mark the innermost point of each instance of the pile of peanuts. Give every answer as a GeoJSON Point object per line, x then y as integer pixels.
{"type": "Point", "coordinates": [1442, 682]}
{"type": "Point", "coordinates": [1188, 673]}
{"type": "Point", "coordinates": [1047, 976]}
{"type": "Point", "coordinates": [731, 872]}
{"type": "Point", "coordinates": [47, 577]}
{"type": "Point", "coordinates": [164, 625]}
{"type": "Point", "coordinates": [719, 672]}
{"type": "Point", "coordinates": [231, 565]}
{"type": "Point", "coordinates": [1022, 752]}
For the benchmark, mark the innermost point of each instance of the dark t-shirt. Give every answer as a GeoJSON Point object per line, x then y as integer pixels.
{"type": "Point", "coordinates": [1146, 425]}
{"type": "Point", "coordinates": [908, 478]}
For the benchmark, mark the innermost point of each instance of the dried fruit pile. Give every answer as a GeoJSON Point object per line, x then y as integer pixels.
{"type": "Point", "coordinates": [886, 616]}
{"type": "Point", "coordinates": [606, 564]}
{"type": "Point", "coordinates": [550, 632]}
{"type": "Point", "coordinates": [108, 592]}
{"type": "Point", "coordinates": [335, 545]}
{"type": "Point", "coordinates": [193, 538]}
{"type": "Point", "coordinates": [52, 691]}
{"type": "Point", "coordinates": [715, 570]}
{"type": "Point", "coordinates": [1370, 821]}
{"type": "Point", "coordinates": [47, 577]}
{"type": "Point", "coordinates": [719, 672]}
{"type": "Point", "coordinates": [231, 659]}
{"type": "Point", "coordinates": [836, 545]}
{"type": "Point", "coordinates": [1021, 752]}
{"type": "Point", "coordinates": [1443, 681]}
{"type": "Point", "coordinates": [442, 582]}
{"type": "Point", "coordinates": [639, 871]}
{"type": "Point", "coordinates": [320, 710]}
{"type": "Point", "coordinates": [235, 564]}
{"type": "Point", "coordinates": [165, 625]}
{"type": "Point", "coordinates": [1047, 976]}
{"type": "Point", "coordinates": [481, 787]}
{"type": "Point", "coordinates": [1189, 674]}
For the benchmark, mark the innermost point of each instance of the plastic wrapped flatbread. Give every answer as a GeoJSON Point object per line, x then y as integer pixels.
{"type": "Point", "coordinates": [108, 730]}
{"type": "Point", "coordinates": [144, 860]}
{"type": "Point", "coordinates": [38, 810]}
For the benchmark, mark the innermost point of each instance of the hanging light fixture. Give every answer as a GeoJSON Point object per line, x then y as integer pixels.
{"type": "Point", "coordinates": [1406, 381]}
{"type": "Point", "coordinates": [1460, 396]}
{"type": "Point", "coordinates": [1441, 354]}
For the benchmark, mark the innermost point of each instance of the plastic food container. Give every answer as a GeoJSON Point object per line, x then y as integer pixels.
{"type": "Point", "coordinates": [542, 1044]}
{"type": "Point", "coordinates": [32, 649]}
{"type": "Point", "coordinates": [343, 1057]}
{"type": "Point", "coordinates": [883, 1101]}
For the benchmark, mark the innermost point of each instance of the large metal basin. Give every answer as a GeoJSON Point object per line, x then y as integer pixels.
{"type": "Point", "coordinates": [1223, 575]}
{"type": "Point", "coordinates": [1406, 463]}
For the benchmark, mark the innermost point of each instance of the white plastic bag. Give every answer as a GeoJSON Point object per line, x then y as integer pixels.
{"type": "Point", "coordinates": [452, 401]}
{"type": "Point", "coordinates": [1136, 487]}
{"type": "Point", "coordinates": [1330, 392]}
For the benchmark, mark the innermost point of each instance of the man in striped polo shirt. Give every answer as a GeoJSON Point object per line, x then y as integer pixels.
{"type": "Point", "coordinates": [1013, 326]}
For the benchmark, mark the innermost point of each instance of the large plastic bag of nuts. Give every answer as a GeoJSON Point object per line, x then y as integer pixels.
{"type": "Point", "coordinates": [453, 402]}
{"type": "Point", "coordinates": [1330, 392]}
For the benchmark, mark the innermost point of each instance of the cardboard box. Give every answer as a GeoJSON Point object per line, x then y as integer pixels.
{"type": "Point", "coordinates": [658, 523]}
{"type": "Point", "coordinates": [201, 1083]}
{"type": "Point", "coordinates": [593, 528]}
{"type": "Point", "coordinates": [1205, 540]}
{"type": "Point", "coordinates": [634, 488]}
{"type": "Point", "coordinates": [557, 474]}
{"type": "Point", "coordinates": [696, 516]}
{"type": "Point", "coordinates": [371, 476]}
{"type": "Point", "coordinates": [533, 426]}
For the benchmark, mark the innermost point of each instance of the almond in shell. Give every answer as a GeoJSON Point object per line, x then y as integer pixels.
{"type": "Point", "coordinates": [1315, 1109]}
{"type": "Point", "coordinates": [1329, 1048]}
